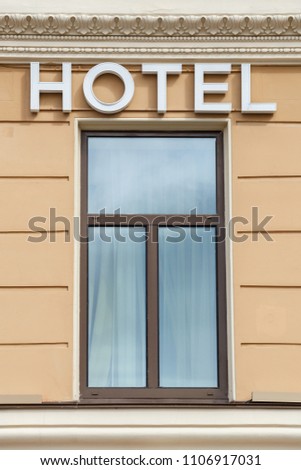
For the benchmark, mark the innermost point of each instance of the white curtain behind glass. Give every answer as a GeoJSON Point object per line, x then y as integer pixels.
{"type": "Point", "coordinates": [117, 309]}
{"type": "Point", "coordinates": [187, 309]}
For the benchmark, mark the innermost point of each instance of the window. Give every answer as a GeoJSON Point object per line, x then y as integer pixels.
{"type": "Point", "coordinates": [153, 321]}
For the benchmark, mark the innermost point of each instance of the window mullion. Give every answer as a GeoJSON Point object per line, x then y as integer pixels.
{"type": "Point", "coordinates": [152, 308]}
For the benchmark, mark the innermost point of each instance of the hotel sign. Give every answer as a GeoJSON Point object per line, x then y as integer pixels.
{"type": "Point", "coordinates": [162, 71]}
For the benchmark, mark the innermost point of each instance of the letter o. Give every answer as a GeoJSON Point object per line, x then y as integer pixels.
{"type": "Point", "coordinates": [115, 69]}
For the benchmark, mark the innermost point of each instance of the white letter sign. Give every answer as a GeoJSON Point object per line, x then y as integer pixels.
{"type": "Point", "coordinates": [161, 70]}
{"type": "Point", "coordinates": [200, 88]}
{"type": "Point", "coordinates": [246, 105]}
{"type": "Point", "coordinates": [37, 87]}
{"type": "Point", "coordinates": [119, 71]}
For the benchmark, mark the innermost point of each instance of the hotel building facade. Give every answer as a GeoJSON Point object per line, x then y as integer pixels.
{"type": "Point", "coordinates": [150, 225]}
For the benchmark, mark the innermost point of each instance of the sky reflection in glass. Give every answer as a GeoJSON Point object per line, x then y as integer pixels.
{"type": "Point", "coordinates": [152, 175]}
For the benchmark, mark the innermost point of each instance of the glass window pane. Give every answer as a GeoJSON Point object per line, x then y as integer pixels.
{"type": "Point", "coordinates": [152, 175]}
{"type": "Point", "coordinates": [187, 307]}
{"type": "Point", "coordinates": [117, 307]}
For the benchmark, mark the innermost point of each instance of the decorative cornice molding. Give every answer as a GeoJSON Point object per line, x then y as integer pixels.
{"type": "Point", "coordinates": [97, 26]}
{"type": "Point", "coordinates": [86, 38]}
{"type": "Point", "coordinates": [147, 51]}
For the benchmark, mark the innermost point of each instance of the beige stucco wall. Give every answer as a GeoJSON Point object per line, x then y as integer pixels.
{"type": "Point", "coordinates": [37, 173]}
{"type": "Point", "coordinates": [195, 7]}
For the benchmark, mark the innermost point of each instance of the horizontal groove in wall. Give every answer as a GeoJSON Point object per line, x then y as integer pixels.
{"type": "Point", "coordinates": [33, 177]}
{"type": "Point", "coordinates": [133, 110]}
{"type": "Point", "coordinates": [40, 345]}
{"type": "Point", "coordinates": [84, 68]}
{"type": "Point", "coordinates": [33, 121]}
{"type": "Point", "coordinates": [248, 177]}
{"type": "Point", "coordinates": [186, 68]}
{"type": "Point", "coordinates": [34, 287]}
{"type": "Point", "coordinates": [285, 232]}
{"type": "Point", "coordinates": [270, 344]}
{"type": "Point", "coordinates": [143, 111]}
{"type": "Point", "coordinates": [25, 232]}
{"type": "Point", "coordinates": [269, 286]}
{"type": "Point", "coordinates": [267, 123]}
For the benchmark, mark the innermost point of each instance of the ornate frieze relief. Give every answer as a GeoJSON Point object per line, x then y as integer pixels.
{"type": "Point", "coordinates": [90, 37]}
{"type": "Point", "coordinates": [145, 26]}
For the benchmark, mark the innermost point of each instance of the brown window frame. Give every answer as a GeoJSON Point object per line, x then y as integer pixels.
{"type": "Point", "coordinates": [153, 394]}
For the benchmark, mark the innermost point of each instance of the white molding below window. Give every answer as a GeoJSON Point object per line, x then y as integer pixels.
{"type": "Point", "coordinates": [151, 429]}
